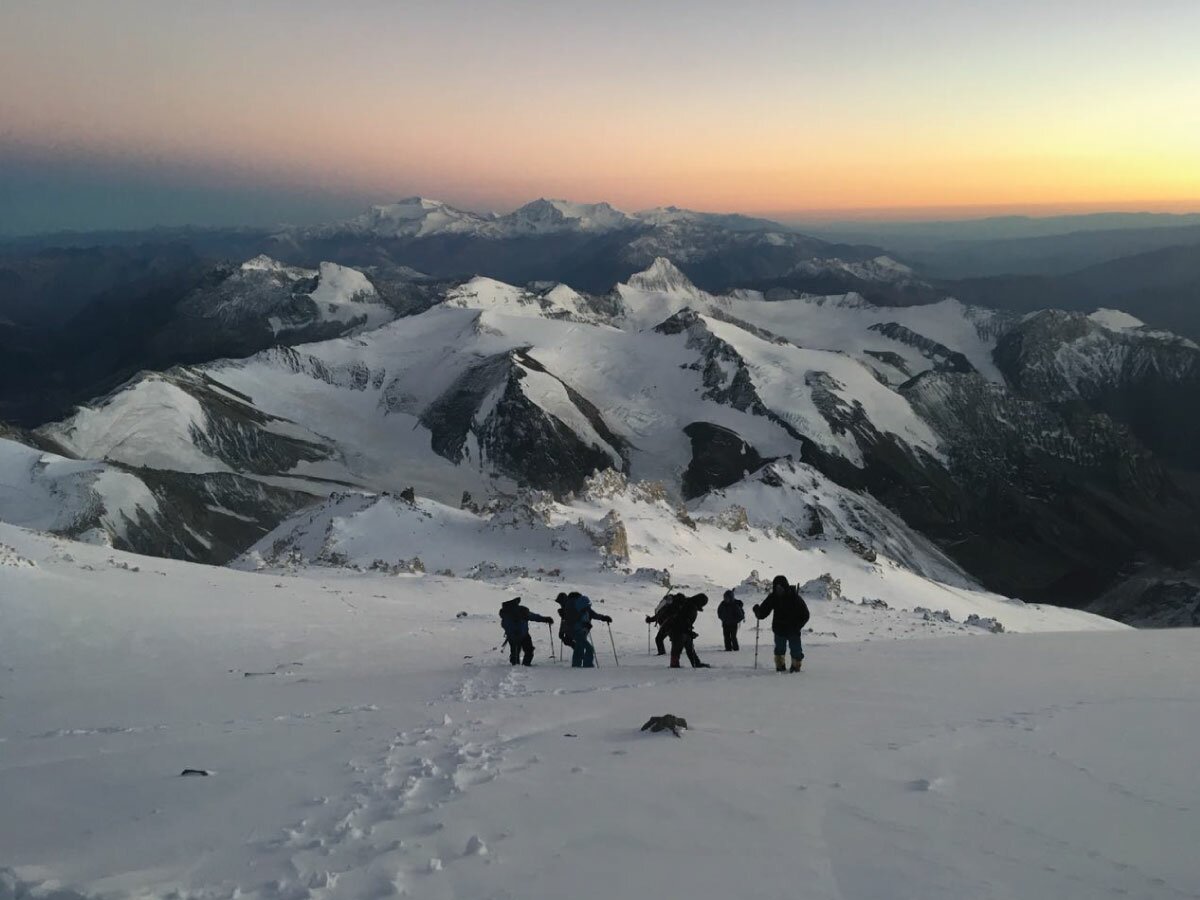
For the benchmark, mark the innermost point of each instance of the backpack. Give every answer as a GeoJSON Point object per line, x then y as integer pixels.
{"type": "Point", "coordinates": [508, 616]}
{"type": "Point", "coordinates": [736, 607]}
{"type": "Point", "coordinates": [672, 606]}
{"type": "Point", "coordinates": [580, 611]}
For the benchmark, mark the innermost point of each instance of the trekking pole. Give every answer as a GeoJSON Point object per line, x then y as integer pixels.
{"type": "Point", "coordinates": [614, 644]}
{"type": "Point", "coordinates": [649, 648]}
{"type": "Point", "coordinates": [550, 628]}
{"type": "Point", "coordinates": [757, 624]}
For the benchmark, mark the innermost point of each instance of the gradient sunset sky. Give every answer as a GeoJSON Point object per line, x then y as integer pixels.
{"type": "Point", "coordinates": [140, 112]}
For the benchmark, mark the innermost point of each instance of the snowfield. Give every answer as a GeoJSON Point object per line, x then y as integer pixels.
{"type": "Point", "coordinates": [367, 739]}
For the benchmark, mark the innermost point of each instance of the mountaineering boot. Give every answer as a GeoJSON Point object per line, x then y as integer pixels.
{"type": "Point", "coordinates": [779, 664]}
{"type": "Point", "coordinates": [796, 664]}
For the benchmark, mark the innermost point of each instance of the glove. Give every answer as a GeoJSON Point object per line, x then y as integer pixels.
{"type": "Point", "coordinates": [649, 619]}
{"type": "Point", "coordinates": [756, 611]}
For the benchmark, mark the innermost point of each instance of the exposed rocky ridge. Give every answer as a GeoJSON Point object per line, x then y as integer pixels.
{"type": "Point", "coordinates": [1154, 597]}
{"type": "Point", "coordinates": [1143, 378]}
{"type": "Point", "coordinates": [1051, 501]}
{"type": "Point", "coordinates": [943, 358]}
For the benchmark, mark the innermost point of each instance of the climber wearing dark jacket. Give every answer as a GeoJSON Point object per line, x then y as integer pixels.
{"type": "Point", "coordinates": [515, 619]}
{"type": "Point", "coordinates": [581, 615]}
{"type": "Point", "coordinates": [661, 617]}
{"type": "Point", "coordinates": [565, 629]}
{"type": "Point", "coordinates": [679, 629]}
{"type": "Point", "coordinates": [732, 614]}
{"type": "Point", "coordinates": [790, 616]}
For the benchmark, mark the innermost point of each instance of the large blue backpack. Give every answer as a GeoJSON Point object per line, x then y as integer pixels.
{"type": "Point", "coordinates": [581, 612]}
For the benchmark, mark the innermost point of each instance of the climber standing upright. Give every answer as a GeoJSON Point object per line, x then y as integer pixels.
{"type": "Point", "coordinates": [790, 615]}
{"type": "Point", "coordinates": [732, 613]}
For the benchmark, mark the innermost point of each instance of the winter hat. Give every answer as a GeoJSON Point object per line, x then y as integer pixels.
{"type": "Point", "coordinates": [780, 581]}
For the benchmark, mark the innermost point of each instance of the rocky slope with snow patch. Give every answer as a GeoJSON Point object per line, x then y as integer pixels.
{"type": "Point", "coordinates": [205, 518]}
{"type": "Point", "coordinates": [633, 533]}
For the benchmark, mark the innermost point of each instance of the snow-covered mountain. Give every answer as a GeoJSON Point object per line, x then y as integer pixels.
{"type": "Point", "coordinates": [208, 517]}
{"type": "Point", "coordinates": [507, 381]}
{"type": "Point", "coordinates": [926, 410]}
{"type": "Point", "coordinates": [264, 301]}
{"type": "Point", "coordinates": [418, 217]}
{"type": "Point", "coordinates": [593, 245]}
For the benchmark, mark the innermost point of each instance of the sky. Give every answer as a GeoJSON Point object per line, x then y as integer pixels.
{"type": "Point", "coordinates": [129, 113]}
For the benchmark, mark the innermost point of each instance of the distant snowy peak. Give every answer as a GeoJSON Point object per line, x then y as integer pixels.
{"type": "Point", "coordinates": [289, 299]}
{"type": "Point", "coordinates": [414, 217]}
{"type": "Point", "coordinates": [419, 217]}
{"type": "Point", "coordinates": [553, 216]}
{"type": "Point", "coordinates": [672, 215]}
{"type": "Point", "coordinates": [264, 263]}
{"type": "Point", "coordinates": [663, 277]}
{"type": "Point", "coordinates": [1115, 320]}
{"type": "Point", "coordinates": [556, 301]}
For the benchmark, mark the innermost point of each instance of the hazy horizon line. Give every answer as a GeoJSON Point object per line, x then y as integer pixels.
{"type": "Point", "coordinates": [792, 218]}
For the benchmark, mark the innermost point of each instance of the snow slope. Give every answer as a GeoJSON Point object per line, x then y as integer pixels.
{"type": "Point", "coordinates": [150, 422]}
{"type": "Point", "coordinates": [367, 741]}
{"type": "Point", "coordinates": [87, 499]}
{"type": "Point", "coordinates": [616, 530]}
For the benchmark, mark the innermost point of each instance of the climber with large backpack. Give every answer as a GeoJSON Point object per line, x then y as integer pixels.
{"type": "Point", "coordinates": [680, 629]}
{"type": "Point", "coordinates": [662, 617]}
{"type": "Point", "coordinates": [582, 614]}
{"type": "Point", "coordinates": [515, 619]}
{"type": "Point", "coordinates": [790, 615]}
{"type": "Point", "coordinates": [565, 626]}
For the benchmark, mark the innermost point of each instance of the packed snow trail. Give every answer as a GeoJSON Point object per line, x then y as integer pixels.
{"type": "Point", "coordinates": [358, 754]}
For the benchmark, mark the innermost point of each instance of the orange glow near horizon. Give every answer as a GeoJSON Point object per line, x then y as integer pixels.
{"type": "Point", "coordinates": [399, 103]}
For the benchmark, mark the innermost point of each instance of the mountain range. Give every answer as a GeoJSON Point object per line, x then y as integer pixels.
{"type": "Point", "coordinates": [1039, 455]}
